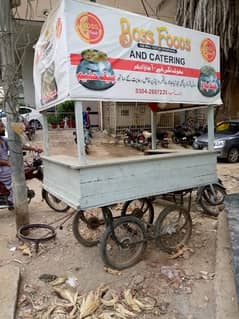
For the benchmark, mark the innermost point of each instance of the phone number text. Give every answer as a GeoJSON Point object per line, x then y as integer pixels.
{"type": "Point", "coordinates": [151, 91]}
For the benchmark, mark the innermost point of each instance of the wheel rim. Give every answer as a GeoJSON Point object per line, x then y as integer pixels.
{"type": "Point", "coordinates": [213, 194]}
{"type": "Point", "coordinates": [233, 155]}
{"type": "Point", "coordinates": [140, 208]}
{"type": "Point", "coordinates": [173, 230]}
{"type": "Point", "coordinates": [130, 246]}
{"type": "Point", "coordinates": [56, 203]}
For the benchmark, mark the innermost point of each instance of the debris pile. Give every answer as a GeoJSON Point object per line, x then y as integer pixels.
{"type": "Point", "coordinates": [102, 303]}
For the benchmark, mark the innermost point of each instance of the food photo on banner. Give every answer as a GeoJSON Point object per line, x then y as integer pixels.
{"type": "Point", "coordinates": [87, 51]}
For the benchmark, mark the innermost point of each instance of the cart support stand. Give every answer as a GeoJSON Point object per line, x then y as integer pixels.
{"type": "Point", "coordinates": [153, 129]}
{"type": "Point", "coordinates": [210, 124]}
{"type": "Point", "coordinates": [80, 132]}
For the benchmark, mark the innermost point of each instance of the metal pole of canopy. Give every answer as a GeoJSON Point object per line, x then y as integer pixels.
{"type": "Point", "coordinates": [80, 132]}
{"type": "Point", "coordinates": [153, 128]}
{"type": "Point", "coordinates": [45, 134]}
{"type": "Point", "coordinates": [210, 125]}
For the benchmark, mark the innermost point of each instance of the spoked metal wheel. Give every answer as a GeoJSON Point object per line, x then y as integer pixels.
{"type": "Point", "coordinates": [214, 194]}
{"type": "Point", "coordinates": [123, 242]}
{"type": "Point", "coordinates": [88, 226]}
{"type": "Point", "coordinates": [140, 208]}
{"type": "Point", "coordinates": [173, 228]}
{"type": "Point", "coordinates": [55, 203]}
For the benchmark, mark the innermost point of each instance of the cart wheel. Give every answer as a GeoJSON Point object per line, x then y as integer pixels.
{"type": "Point", "coordinates": [209, 209]}
{"type": "Point", "coordinates": [173, 228]}
{"type": "Point", "coordinates": [55, 203]}
{"type": "Point", "coordinates": [140, 208]}
{"type": "Point", "coordinates": [214, 194]}
{"type": "Point", "coordinates": [123, 245]}
{"type": "Point", "coordinates": [88, 226]}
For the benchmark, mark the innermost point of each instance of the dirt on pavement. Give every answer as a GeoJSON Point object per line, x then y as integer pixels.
{"type": "Point", "coordinates": [182, 287]}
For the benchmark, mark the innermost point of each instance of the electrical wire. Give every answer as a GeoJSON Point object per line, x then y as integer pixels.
{"type": "Point", "coordinates": [145, 9]}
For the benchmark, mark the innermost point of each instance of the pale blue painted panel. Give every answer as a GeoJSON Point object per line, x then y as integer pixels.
{"type": "Point", "coordinates": [111, 182]}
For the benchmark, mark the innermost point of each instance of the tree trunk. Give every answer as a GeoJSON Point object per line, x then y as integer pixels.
{"type": "Point", "coordinates": [10, 80]}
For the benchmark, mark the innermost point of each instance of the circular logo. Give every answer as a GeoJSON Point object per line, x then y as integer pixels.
{"type": "Point", "coordinates": [208, 50]}
{"type": "Point", "coordinates": [208, 83]}
{"type": "Point", "coordinates": [89, 27]}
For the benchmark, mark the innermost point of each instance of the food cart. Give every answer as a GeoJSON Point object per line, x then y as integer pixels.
{"type": "Point", "coordinates": [87, 51]}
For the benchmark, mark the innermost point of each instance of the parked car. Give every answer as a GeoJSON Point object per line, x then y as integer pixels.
{"type": "Point", "coordinates": [34, 117]}
{"type": "Point", "coordinates": [226, 142]}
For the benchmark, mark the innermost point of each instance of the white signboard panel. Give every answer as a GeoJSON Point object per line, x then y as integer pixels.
{"type": "Point", "coordinates": [91, 52]}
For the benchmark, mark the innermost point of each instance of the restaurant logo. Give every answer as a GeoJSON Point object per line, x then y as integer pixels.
{"type": "Point", "coordinates": [89, 28]}
{"type": "Point", "coordinates": [208, 50]}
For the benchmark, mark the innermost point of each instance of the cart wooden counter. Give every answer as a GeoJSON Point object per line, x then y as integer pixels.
{"type": "Point", "coordinates": [101, 183]}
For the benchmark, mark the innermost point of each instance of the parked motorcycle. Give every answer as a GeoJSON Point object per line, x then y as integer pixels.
{"type": "Point", "coordinates": [33, 170]}
{"type": "Point", "coordinates": [185, 135]}
{"type": "Point", "coordinates": [145, 138]}
{"type": "Point", "coordinates": [131, 136]}
{"type": "Point", "coordinates": [87, 136]}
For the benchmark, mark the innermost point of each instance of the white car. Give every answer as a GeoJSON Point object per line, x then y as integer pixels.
{"type": "Point", "coordinates": [32, 115]}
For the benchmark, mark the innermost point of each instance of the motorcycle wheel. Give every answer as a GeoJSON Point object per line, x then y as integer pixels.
{"type": "Point", "coordinates": [140, 208]}
{"type": "Point", "coordinates": [123, 243]}
{"type": "Point", "coordinates": [88, 226]}
{"type": "Point", "coordinates": [175, 140]}
{"type": "Point", "coordinates": [55, 203]}
{"type": "Point", "coordinates": [173, 228]}
{"type": "Point", "coordinates": [127, 141]}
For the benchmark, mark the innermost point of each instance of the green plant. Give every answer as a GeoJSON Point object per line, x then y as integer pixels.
{"type": "Point", "coordinates": [53, 119]}
{"type": "Point", "coordinates": [66, 109]}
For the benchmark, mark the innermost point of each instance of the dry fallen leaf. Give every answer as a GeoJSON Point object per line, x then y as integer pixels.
{"type": "Point", "coordinates": [89, 304]}
{"type": "Point", "coordinates": [121, 310]}
{"type": "Point", "coordinates": [109, 299]}
{"type": "Point", "coordinates": [27, 252]}
{"type": "Point", "coordinates": [180, 252]}
{"type": "Point", "coordinates": [66, 294]}
{"type": "Point", "coordinates": [58, 281]}
{"type": "Point", "coordinates": [146, 303]}
{"type": "Point", "coordinates": [112, 271]}
{"type": "Point", "coordinates": [130, 300]}
{"type": "Point", "coordinates": [107, 315]}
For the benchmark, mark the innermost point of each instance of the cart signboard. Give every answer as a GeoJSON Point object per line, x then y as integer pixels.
{"type": "Point", "coordinates": [87, 51]}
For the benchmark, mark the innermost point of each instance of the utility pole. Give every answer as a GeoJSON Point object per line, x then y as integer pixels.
{"type": "Point", "coordinates": [9, 80]}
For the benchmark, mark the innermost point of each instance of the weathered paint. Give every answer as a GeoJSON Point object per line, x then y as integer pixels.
{"type": "Point", "coordinates": [103, 183]}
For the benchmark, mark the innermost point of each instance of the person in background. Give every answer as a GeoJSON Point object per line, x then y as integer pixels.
{"type": "Point", "coordinates": [5, 164]}
{"type": "Point", "coordinates": [88, 110]}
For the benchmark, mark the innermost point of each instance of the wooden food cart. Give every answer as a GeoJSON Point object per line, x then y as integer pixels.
{"type": "Point", "coordinates": [91, 52]}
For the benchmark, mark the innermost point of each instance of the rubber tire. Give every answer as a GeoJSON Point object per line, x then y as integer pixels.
{"type": "Point", "coordinates": [207, 208]}
{"type": "Point", "coordinates": [48, 201]}
{"type": "Point", "coordinates": [36, 124]}
{"type": "Point", "coordinates": [127, 141]}
{"type": "Point", "coordinates": [233, 160]}
{"type": "Point", "coordinates": [78, 218]}
{"type": "Point", "coordinates": [149, 211]}
{"type": "Point", "coordinates": [159, 222]}
{"type": "Point", "coordinates": [104, 243]}
{"type": "Point", "coordinates": [175, 140]}
{"type": "Point", "coordinates": [218, 189]}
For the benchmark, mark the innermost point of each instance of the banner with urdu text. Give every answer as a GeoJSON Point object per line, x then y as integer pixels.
{"type": "Point", "coordinates": [91, 52]}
